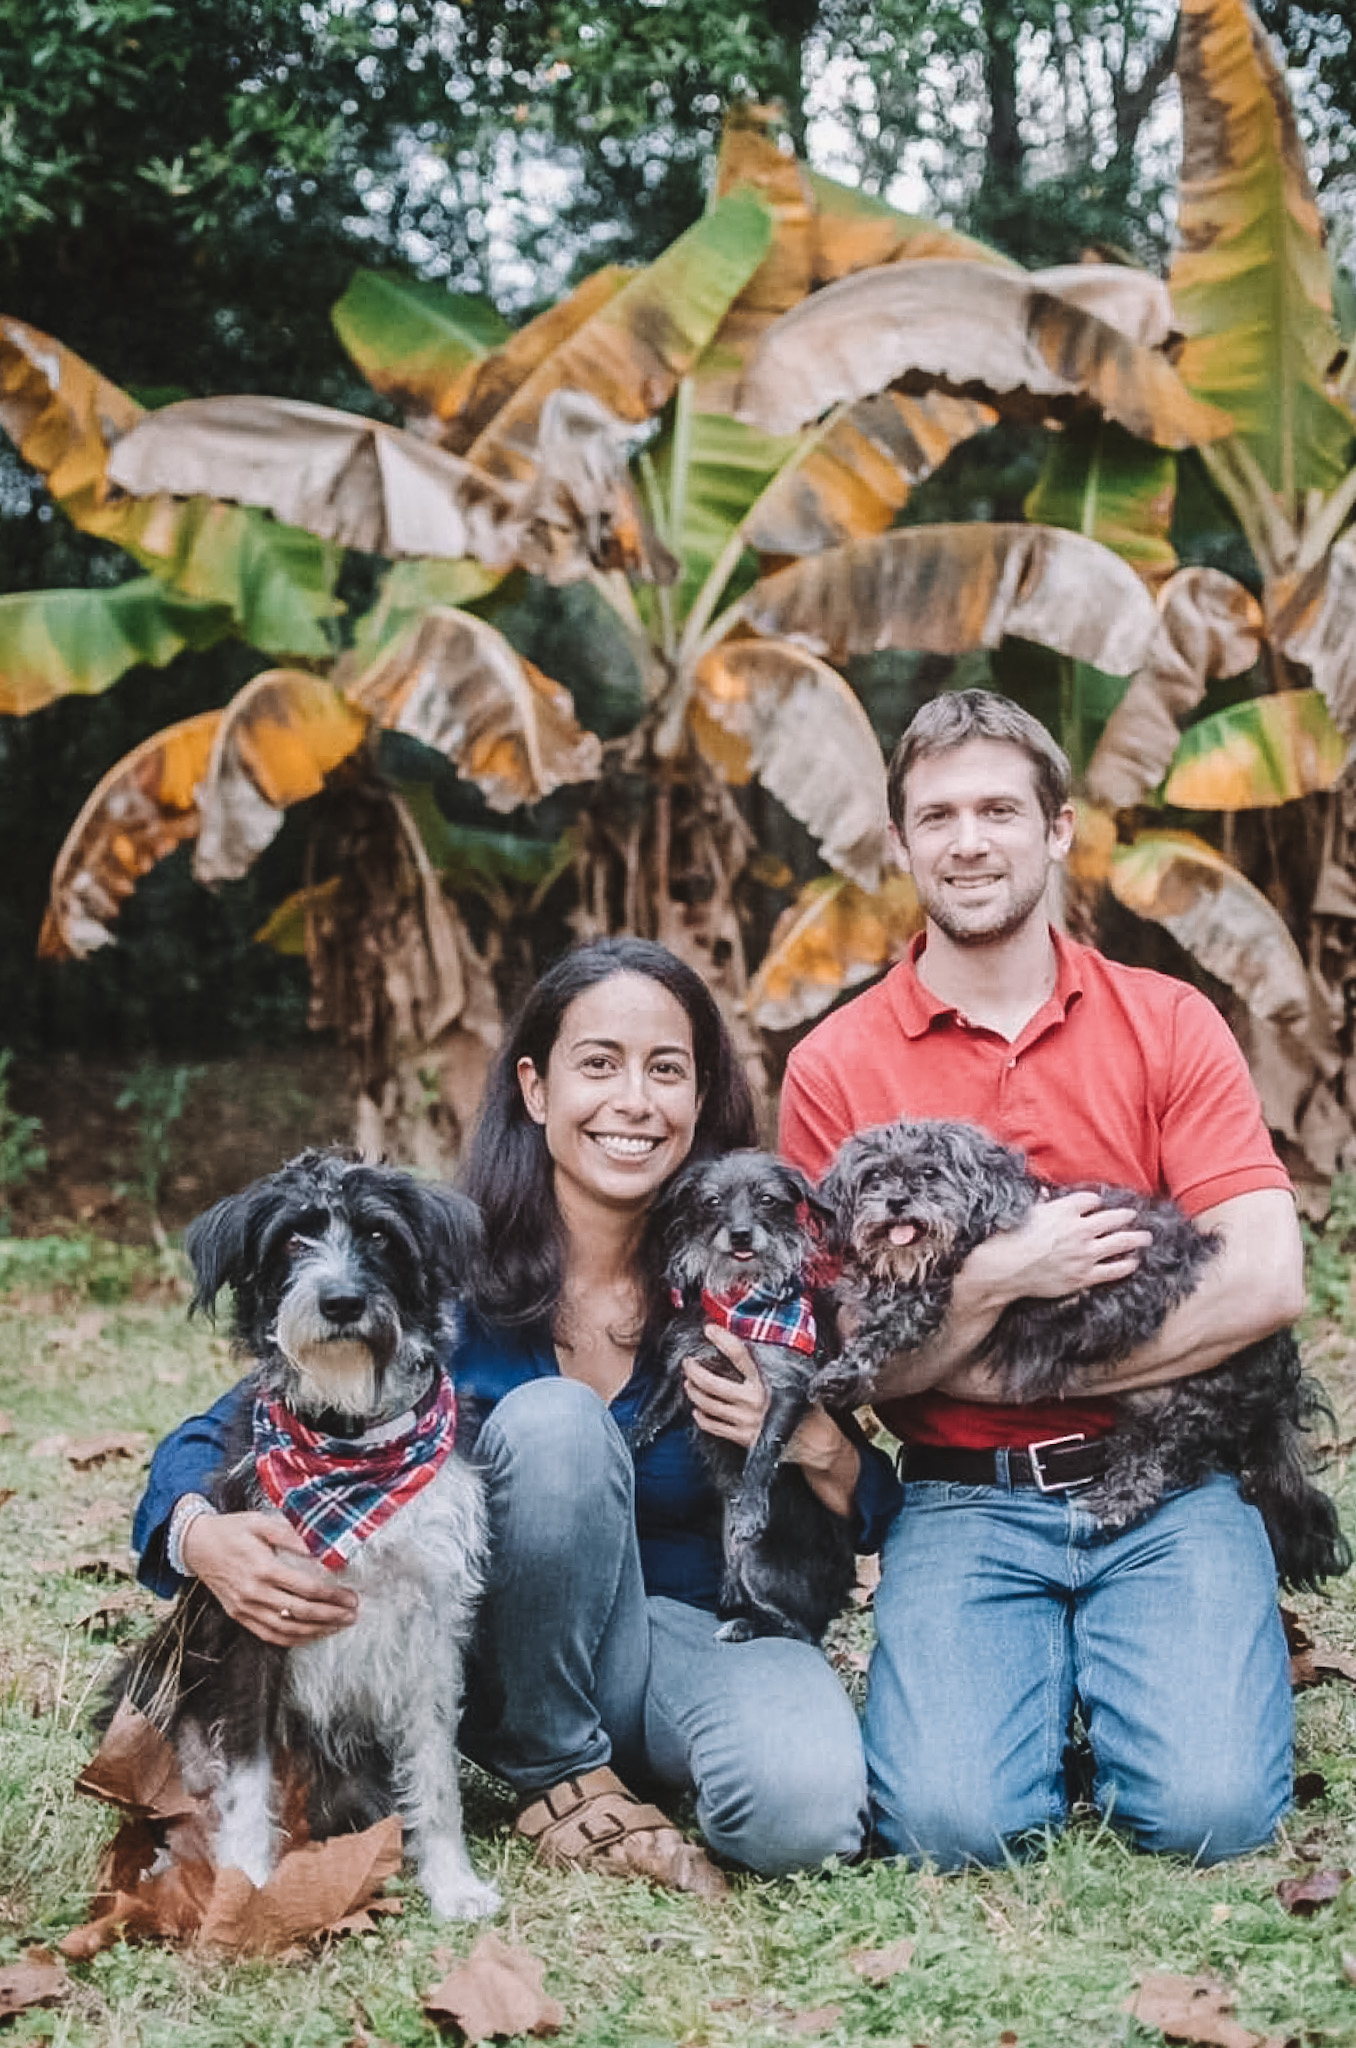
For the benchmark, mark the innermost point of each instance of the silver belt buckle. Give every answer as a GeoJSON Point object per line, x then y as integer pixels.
{"type": "Point", "coordinates": [1053, 1443]}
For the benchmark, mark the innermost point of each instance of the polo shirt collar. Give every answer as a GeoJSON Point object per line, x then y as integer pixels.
{"type": "Point", "coordinates": [917, 1009]}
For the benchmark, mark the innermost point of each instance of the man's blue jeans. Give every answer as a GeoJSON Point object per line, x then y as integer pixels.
{"type": "Point", "coordinates": [576, 1667]}
{"type": "Point", "coordinates": [999, 1608]}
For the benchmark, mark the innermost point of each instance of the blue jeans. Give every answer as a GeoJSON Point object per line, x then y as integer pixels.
{"type": "Point", "coordinates": [575, 1666]}
{"type": "Point", "coordinates": [999, 1609]}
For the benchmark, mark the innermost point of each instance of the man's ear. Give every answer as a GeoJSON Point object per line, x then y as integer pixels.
{"type": "Point", "coordinates": [899, 850]}
{"type": "Point", "coordinates": [534, 1090]}
{"type": "Point", "coordinates": [1060, 837]}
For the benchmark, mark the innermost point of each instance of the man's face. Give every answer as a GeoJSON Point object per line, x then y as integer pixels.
{"type": "Point", "coordinates": [976, 841]}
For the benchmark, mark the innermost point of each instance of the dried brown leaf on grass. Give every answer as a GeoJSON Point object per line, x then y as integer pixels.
{"type": "Point", "coordinates": [879, 1965]}
{"type": "Point", "coordinates": [85, 1451]}
{"type": "Point", "coordinates": [157, 1879]}
{"type": "Point", "coordinates": [38, 1980]}
{"type": "Point", "coordinates": [1303, 1896]}
{"type": "Point", "coordinates": [89, 1564]}
{"type": "Point", "coordinates": [497, 1992]}
{"type": "Point", "coordinates": [1194, 2009]}
{"type": "Point", "coordinates": [86, 1328]}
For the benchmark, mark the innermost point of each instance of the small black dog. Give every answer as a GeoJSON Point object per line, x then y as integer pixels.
{"type": "Point", "coordinates": [912, 1199]}
{"type": "Point", "coordinates": [740, 1237]}
{"type": "Point", "coordinates": [342, 1275]}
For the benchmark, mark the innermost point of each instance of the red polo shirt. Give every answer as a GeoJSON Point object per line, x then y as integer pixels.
{"type": "Point", "coordinates": [1123, 1075]}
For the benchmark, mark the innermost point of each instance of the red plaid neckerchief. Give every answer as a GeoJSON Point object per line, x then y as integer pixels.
{"type": "Point", "coordinates": [762, 1317]}
{"type": "Point", "coordinates": [336, 1490]}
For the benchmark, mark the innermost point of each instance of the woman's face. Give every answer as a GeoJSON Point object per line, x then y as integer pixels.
{"type": "Point", "coordinates": [619, 1100]}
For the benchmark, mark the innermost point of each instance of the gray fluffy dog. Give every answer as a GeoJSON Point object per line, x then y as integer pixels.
{"type": "Point", "coordinates": [913, 1199]}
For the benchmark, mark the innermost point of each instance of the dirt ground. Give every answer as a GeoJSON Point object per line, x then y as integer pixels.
{"type": "Point", "coordinates": [242, 1117]}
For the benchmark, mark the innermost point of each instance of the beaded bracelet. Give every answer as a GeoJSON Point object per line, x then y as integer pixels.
{"type": "Point", "coordinates": [187, 1509]}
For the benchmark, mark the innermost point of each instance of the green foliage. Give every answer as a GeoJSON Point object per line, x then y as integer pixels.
{"type": "Point", "coordinates": [159, 1096]}
{"type": "Point", "coordinates": [1330, 1247]}
{"type": "Point", "coordinates": [22, 1153]}
{"type": "Point", "coordinates": [74, 1268]}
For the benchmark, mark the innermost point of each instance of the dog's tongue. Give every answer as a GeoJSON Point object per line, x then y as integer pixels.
{"type": "Point", "coordinates": [903, 1233]}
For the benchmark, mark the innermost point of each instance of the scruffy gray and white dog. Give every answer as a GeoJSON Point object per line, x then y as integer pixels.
{"type": "Point", "coordinates": [342, 1274]}
{"type": "Point", "coordinates": [741, 1235]}
{"type": "Point", "coordinates": [913, 1199]}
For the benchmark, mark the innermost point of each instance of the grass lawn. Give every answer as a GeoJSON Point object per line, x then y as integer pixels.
{"type": "Point", "coordinates": [94, 1340]}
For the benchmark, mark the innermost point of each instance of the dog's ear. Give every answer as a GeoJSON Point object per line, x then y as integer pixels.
{"type": "Point", "coordinates": [220, 1247]}
{"type": "Point", "coordinates": [818, 1208]}
{"type": "Point", "coordinates": [451, 1226]}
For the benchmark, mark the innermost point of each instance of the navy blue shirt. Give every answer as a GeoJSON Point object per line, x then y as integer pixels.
{"type": "Point", "coordinates": [677, 1509]}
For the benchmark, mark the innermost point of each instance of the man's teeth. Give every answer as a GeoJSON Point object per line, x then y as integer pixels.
{"type": "Point", "coordinates": [624, 1148]}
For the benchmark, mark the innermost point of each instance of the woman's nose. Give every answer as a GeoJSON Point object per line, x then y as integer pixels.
{"type": "Point", "coordinates": [634, 1089]}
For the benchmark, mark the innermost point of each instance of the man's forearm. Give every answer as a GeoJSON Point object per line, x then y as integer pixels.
{"type": "Point", "coordinates": [1254, 1285]}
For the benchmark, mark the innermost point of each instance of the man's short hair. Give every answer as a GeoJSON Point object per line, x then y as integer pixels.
{"type": "Point", "coordinates": [956, 716]}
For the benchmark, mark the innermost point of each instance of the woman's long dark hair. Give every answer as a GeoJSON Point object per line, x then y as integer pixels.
{"type": "Point", "coordinates": [508, 1169]}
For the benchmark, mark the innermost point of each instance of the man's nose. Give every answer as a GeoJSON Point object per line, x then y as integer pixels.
{"type": "Point", "coordinates": [971, 833]}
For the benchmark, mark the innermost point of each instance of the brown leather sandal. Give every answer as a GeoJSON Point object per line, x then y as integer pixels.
{"type": "Point", "coordinates": [593, 1823]}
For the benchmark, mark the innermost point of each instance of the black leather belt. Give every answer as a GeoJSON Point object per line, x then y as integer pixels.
{"type": "Point", "coordinates": [1056, 1465]}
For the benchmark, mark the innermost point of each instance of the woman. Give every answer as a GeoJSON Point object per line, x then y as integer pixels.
{"type": "Point", "coordinates": [597, 1661]}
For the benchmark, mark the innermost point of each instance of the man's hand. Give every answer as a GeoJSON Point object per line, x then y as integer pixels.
{"type": "Point", "coordinates": [1065, 1244]}
{"type": "Point", "coordinates": [266, 1579]}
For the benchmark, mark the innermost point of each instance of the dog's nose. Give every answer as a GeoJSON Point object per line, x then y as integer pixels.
{"type": "Point", "coordinates": [741, 1240]}
{"type": "Point", "coordinates": [339, 1306]}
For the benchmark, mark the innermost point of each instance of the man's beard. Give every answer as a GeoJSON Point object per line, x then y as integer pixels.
{"type": "Point", "coordinates": [996, 921]}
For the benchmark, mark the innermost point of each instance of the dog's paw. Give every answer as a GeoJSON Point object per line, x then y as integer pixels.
{"type": "Point", "coordinates": [452, 1888]}
{"type": "Point", "coordinates": [736, 1630]}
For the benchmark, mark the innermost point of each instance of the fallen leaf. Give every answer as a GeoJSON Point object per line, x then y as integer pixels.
{"type": "Point", "coordinates": [1194, 2009]}
{"type": "Point", "coordinates": [35, 1981]}
{"type": "Point", "coordinates": [86, 1329]}
{"type": "Point", "coordinates": [135, 1768]}
{"type": "Point", "coordinates": [113, 1607]}
{"type": "Point", "coordinates": [6, 1494]}
{"type": "Point", "coordinates": [311, 1890]}
{"type": "Point", "coordinates": [6, 1424]}
{"type": "Point", "coordinates": [816, 2022]}
{"type": "Point", "coordinates": [84, 1451]}
{"type": "Point", "coordinates": [879, 1965]}
{"type": "Point", "coordinates": [1304, 1895]}
{"type": "Point", "coordinates": [99, 1514]}
{"type": "Point", "coordinates": [89, 1564]}
{"type": "Point", "coordinates": [496, 1992]}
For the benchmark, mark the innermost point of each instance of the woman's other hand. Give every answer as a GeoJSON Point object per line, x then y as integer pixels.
{"type": "Point", "coordinates": [734, 1410]}
{"type": "Point", "coordinates": [266, 1579]}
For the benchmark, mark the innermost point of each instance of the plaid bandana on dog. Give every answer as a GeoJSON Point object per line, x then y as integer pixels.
{"type": "Point", "coordinates": [336, 1490]}
{"type": "Point", "coordinates": [759, 1315]}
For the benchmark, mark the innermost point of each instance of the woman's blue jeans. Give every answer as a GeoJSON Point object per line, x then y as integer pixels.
{"type": "Point", "coordinates": [576, 1667]}
{"type": "Point", "coordinates": [998, 1609]}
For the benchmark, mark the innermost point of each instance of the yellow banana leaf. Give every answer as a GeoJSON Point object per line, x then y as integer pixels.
{"type": "Point", "coordinates": [833, 937]}
{"type": "Point", "coordinates": [278, 739]}
{"type": "Point", "coordinates": [1209, 626]}
{"type": "Point", "coordinates": [468, 406]}
{"type": "Point", "coordinates": [1222, 921]}
{"type": "Point", "coordinates": [856, 231]}
{"type": "Point", "coordinates": [285, 930]}
{"type": "Point", "coordinates": [632, 352]}
{"type": "Point", "coordinates": [414, 341]}
{"type": "Point", "coordinates": [59, 643]}
{"type": "Point", "coordinates": [459, 686]}
{"type": "Point", "coordinates": [809, 741]}
{"type": "Point", "coordinates": [143, 808]}
{"type": "Point", "coordinates": [1312, 617]}
{"type": "Point", "coordinates": [949, 589]}
{"type": "Point", "coordinates": [1251, 280]}
{"type": "Point", "coordinates": [975, 332]}
{"type": "Point", "coordinates": [64, 417]}
{"type": "Point", "coordinates": [1266, 751]}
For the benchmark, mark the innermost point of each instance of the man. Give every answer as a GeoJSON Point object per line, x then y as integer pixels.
{"type": "Point", "coordinates": [1002, 1605]}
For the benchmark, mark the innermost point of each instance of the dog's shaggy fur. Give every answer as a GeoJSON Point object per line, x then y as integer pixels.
{"type": "Point", "coordinates": [912, 1199]}
{"type": "Point", "coordinates": [342, 1275]}
{"type": "Point", "coordinates": [731, 1223]}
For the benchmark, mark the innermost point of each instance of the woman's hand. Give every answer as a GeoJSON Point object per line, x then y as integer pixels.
{"type": "Point", "coordinates": [734, 1410]}
{"type": "Point", "coordinates": [266, 1579]}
